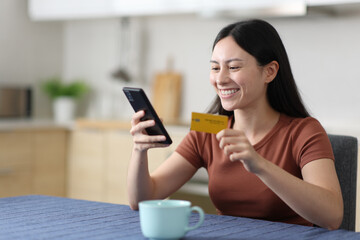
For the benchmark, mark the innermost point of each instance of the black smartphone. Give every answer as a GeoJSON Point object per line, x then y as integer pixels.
{"type": "Point", "coordinates": [139, 101]}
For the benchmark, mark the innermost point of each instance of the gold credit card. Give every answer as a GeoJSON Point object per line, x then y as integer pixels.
{"type": "Point", "coordinates": [210, 123]}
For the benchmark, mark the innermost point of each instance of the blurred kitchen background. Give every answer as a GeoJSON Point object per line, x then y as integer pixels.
{"type": "Point", "coordinates": [163, 46]}
{"type": "Point", "coordinates": [85, 39]}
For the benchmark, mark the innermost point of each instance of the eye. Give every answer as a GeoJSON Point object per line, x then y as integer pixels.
{"type": "Point", "coordinates": [215, 68]}
{"type": "Point", "coordinates": [234, 67]}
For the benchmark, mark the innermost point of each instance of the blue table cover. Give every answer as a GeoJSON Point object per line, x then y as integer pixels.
{"type": "Point", "coordinates": [44, 217]}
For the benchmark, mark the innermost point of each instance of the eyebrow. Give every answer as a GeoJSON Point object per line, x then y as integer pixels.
{"type": "Point", "coordinates": [228, 61]}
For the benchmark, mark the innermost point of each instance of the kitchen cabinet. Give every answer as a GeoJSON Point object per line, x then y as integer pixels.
{"type": "Point", "coordinates": [85, 9]}
{"type": "Point", "coordinates": [99, 158]}
{"type": "Point", "coordinates": [15, 164]}
{"type": "Point", "coordinates": [330, 2]}
{"type": "Point", "coordinates": [69, 9]}
{"type": "Point", "coordinates": [32, 161]}
{"type": "Point", "coordinates": [75, 9]}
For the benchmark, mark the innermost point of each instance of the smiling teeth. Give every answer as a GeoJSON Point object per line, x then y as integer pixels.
{"type": "Point", "coordinates": [228, 92]}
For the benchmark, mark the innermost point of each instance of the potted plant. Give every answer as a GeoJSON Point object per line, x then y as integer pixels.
{"type": "Point", "coordinates": [64, 96]}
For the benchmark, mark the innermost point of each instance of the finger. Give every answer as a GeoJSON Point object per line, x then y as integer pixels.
{"type": "Point", "coordinates": [234, 157]}
{"type": "Point", "coordinates": [232, 140]}
{"type": "Point", "coordinates": [137, 116]}
{"type": "Point", "coordinates": [141, 126]}
{"type": "Point", "coordinates": [242, 155]}
{"type": "Point", "coordinates": [230, 149]}
{"type": "Point", "coordinates": [228, 132]}
{"type": "Point", "coordinates": [236, 148]}
{"type": "Point", "coordinates": [150, 142]}
{"type": "Point", "coordinates": [220, 134]}
{"type": "Point", "coordinates": [233, 132]}
{"type": "Point", "coordinates": [235, 139]}
{"type": "Point", "coordinates": [141, 139]}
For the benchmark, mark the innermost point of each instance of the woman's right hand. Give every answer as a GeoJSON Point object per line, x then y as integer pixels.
{"type": "Point", "coordinates": [143, 141]}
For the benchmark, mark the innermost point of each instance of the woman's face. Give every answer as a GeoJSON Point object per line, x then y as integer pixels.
{"type": "Point", "coordinates": [237, 78]}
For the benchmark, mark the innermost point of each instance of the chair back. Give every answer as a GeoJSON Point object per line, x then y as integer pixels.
{"type": "Point", "coordinates": [345, 150]}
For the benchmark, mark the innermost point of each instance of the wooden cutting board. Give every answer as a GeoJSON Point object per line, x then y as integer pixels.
{"type": "Point", "coordinates": [166, 96]}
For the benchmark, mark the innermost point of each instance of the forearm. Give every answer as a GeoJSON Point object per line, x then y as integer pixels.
{"type": "Point", "coordinates": [318, 205]}
{"type": "Point", "coordinates": [139, 183]}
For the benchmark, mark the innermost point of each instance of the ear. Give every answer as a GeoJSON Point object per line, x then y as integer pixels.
{"type": "Point", "coordinates": [271, 70]}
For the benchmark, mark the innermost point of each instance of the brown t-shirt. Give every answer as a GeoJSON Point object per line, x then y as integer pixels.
{"type": "Point", "coordinates": [292, 143]}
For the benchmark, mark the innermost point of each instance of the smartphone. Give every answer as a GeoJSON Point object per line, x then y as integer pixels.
{"type": "Point", "coordinates": [139, 101]}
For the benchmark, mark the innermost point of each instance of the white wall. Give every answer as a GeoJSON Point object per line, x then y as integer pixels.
{"type": "Point", "coordinates": [324, 53]}
{"type": "Point", "coordinates": [90, 54]}
{"type": "Point", "coordinates": [92, 51]}
{"type": "Point", "coordinates": [29, 51]}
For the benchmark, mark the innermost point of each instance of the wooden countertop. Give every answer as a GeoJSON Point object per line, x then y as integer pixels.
{"type": "Point", "coordinates": [32, 124]}
{"type": "Point", "coordinates": [102, 124]}
{"type": "Point", "coordinates": [117, 125]}
{"type": "Point", "coordinates": [81, 123]}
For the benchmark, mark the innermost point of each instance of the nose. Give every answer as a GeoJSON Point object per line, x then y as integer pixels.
{"type": "Point", "coordinates": [223, 76]}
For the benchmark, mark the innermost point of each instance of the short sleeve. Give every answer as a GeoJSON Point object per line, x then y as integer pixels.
{"type": "Point", "coordinates": [191, 148]}
{"type": "Point", "coordinates": [311, 142]}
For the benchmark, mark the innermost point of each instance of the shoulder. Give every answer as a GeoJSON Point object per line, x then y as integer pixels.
{"type": "Point", "coordinates": [194, 136]}
{"type": "Point", "coordinates": [302, 127]}
{"type": "Point", "coordinates": [303, 130]}
{"type": "Point", "coordinates": [300, 123]}
{"type": "Point", "coordinates": [192, 147]}
{"type": "Point", "coordinates": [309, 139]}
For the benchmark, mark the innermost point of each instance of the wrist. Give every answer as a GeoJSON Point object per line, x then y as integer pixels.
{"type": "Point", "coordinates": [140, 148]}
{"type": "Point", "coordinates": [140, 152]}
{"type": "Point", "coordinates": [263, 167]}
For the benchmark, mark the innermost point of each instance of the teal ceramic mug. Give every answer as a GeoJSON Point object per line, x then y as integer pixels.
{"type": "Point", "coordinates": [167, 219]}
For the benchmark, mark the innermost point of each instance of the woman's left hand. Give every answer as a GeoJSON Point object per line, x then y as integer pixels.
{"type": "Point", "coordinates": [238, 148]}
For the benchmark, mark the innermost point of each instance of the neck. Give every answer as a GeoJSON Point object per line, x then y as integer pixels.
{"type": "Point", "coordinates": [255, 123]}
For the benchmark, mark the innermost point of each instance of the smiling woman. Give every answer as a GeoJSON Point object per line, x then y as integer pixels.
{"type": "Point", "coordinates": [273, 162]}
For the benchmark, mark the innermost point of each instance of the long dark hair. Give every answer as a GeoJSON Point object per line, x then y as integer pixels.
{"type": "Point", "coordinates": [262, 41]}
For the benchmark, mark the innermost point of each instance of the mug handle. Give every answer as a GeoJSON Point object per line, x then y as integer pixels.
{"type": "Point", "coordinates": [201, 218]}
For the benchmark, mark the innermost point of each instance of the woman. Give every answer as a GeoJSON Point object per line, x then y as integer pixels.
{"type": "Point", "coordinates": [274, 162]}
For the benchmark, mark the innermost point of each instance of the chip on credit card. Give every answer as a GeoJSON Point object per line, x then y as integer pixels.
{"type": "Point", "coordinates": [209, 123]}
